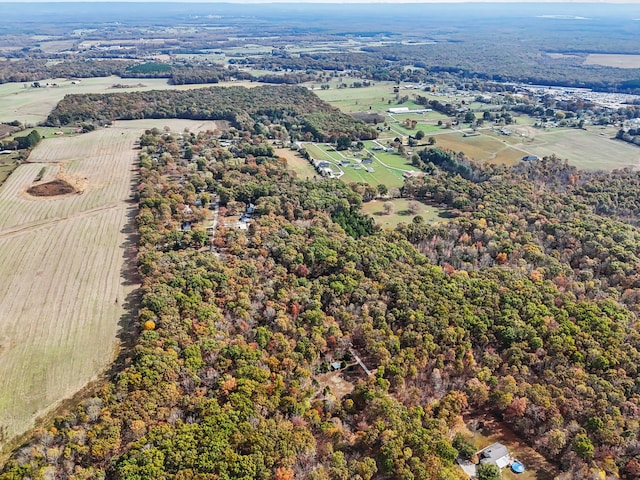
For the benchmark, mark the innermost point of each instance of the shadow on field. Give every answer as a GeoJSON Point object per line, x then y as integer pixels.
{"type": "Point", "coordinates": [128, 325]}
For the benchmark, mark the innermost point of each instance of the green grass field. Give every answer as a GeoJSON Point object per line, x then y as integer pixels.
{"type": "Point", "coordinates": [20, 101]}
{"type": "Point", "coordinates": [297, 163]}
{"type": "Point", "coordinates": [482, 148]}
{"type": "Point", "coordinates": [379, 175]}
{"type": "Point", "coordinates": [585, 149]}
{"type": "Point", "coordinates": [7, 165]}
{"type": "Point", "coordinates": [5, 171]}
{"type": "Point", "coordinates": [320, 151]}
{"type": "Point", "coordinates": [348, 100]}
{"type": "Point", "coordinates": [400, 212]}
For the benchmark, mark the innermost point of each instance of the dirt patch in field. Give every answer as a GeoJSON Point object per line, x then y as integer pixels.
{"type": "Point", "coordinates": [64, 184]}
{"type": "Point", "coordinates": [53, 188]}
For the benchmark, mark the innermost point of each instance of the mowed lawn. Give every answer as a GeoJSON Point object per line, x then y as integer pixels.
{"type": "Point", "coordinates": [400, 212]}
{"type": "Point", "coordinates": [389, 174]}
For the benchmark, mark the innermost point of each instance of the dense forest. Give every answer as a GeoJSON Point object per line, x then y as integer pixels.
{"type": "Point", "coordinates": [296, 108]}
{"type": "Point", "coordinates": [522, 307]}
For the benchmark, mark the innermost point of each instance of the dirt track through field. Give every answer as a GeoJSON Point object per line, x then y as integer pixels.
{"type": "Point", "coordinates": [63, 265]}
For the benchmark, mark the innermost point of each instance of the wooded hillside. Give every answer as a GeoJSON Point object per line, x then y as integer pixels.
{"type": "Point", "coordinates": [295, 107]}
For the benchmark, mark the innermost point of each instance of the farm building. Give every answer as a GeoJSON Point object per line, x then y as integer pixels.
{"type": "Point", "coordinates": [397, 110]}
{"type": "Point", "coordinates": [367, 161]}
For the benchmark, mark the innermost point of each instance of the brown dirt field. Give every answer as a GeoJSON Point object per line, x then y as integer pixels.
{"type": "Point", "coordinates": [335, 381]}
{"type": "Point", "coordinates": [6, 130]}
{"type": "Point", "coordinates": [53, 188]}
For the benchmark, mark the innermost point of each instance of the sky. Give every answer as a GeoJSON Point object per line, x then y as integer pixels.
{"type": "Point", "coordinates": [629, 2]}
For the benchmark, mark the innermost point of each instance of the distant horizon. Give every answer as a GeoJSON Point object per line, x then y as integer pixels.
{"type": "Point", "coordinates": [602, 2]}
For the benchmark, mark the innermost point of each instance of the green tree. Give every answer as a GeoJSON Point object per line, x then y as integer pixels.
{"type": "Point", "coordinates": [583, 446]}
{"type": "Point", "coordinates": [343, 142]}
{"type": "Point", "coordinates": [466, 450]}
{"type": "Point", "coordinates": [488, 471]}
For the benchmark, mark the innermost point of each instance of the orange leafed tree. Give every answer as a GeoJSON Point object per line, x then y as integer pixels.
{"type": "Point", "coordinates": [283, 473]}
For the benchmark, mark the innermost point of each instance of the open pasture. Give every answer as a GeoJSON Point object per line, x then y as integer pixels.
{"type": "Point", "coordinates": [61, 261]}
{"type": "Point", "coordinates": [482, 148]}
{"type": "Point", "coordinates": [349, 99]}
{"type": "Point", "coordinates": [398, 128]}
{"type": "Point", "coordinates": [400, 213]}
{"type": "Point", "coordinates": [585, 149]}
{"type": "Point", "coordinates": [297, 163]}
{"type": "Point", "coordinates": [613, 60]}
{"type": "Point", "coordinates": [29, 105]}
{"type": "Point", "coordinates": [66, 266]}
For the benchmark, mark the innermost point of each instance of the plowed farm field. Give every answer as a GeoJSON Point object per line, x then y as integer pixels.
{"type": "Point", "coordinates": [63, 265]}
